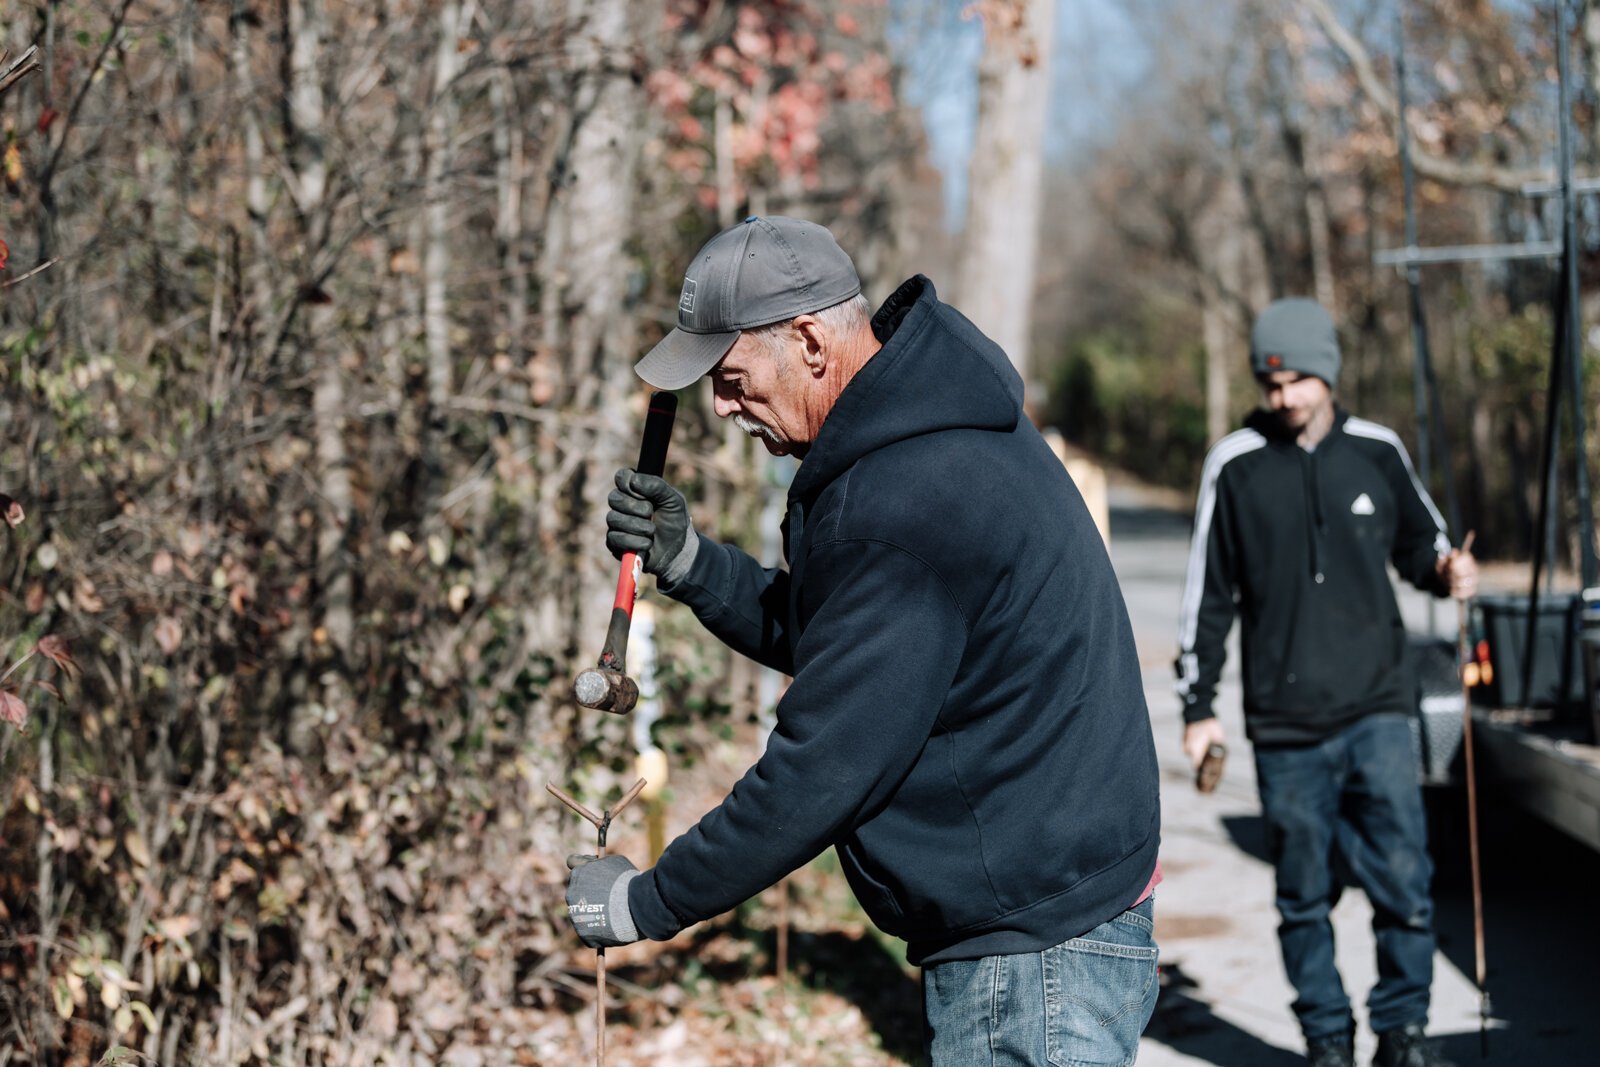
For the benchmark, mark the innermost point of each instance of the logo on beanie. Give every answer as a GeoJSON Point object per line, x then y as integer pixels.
{"type": "Point", "coordinates": [686, 301]}
{"type": "Point", "coordinates": [1275, 362]}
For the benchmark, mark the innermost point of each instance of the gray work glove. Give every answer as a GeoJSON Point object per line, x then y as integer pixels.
{"type": "Point", "coordinates": [651, 518]}
{"type": "Point", "coordinates": [597, 900]}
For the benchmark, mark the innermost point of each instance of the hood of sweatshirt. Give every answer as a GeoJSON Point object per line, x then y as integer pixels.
{"type": "Point", "coordinates": [935, 372]}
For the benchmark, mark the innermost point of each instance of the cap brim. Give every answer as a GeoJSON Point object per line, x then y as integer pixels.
{"type": "Point", "coordinates": [682, 358]}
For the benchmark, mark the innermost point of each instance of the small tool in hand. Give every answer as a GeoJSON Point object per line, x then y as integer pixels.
{"type": "Point", "coordinates": [606, 686]}
{"type": "Point", "coordinates": [1209, 773]}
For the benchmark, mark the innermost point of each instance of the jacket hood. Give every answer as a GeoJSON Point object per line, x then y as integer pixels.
{"type": "Point", "coordinates": [936, 371]}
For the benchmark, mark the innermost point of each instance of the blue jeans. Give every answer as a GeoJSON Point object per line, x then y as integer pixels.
{"type": "Point", "coordinates": [1348, 810]}
{"type": "Point", "coordinates": [1085, 1001]}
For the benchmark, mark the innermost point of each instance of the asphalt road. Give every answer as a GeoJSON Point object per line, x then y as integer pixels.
{"type": "Point", "coordinates": [1225, 1000]}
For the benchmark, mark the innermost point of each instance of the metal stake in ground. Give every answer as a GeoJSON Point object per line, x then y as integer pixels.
{"type": "Point", "coordinates": [602, 823]}
{"type": "Point", "coordinates": [1463, 609]}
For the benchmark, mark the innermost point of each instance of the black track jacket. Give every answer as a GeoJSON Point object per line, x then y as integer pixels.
{"type": "Point", "coordinates": [1296, 543]}
{"type": "Point", "coordinates": [967, 722]}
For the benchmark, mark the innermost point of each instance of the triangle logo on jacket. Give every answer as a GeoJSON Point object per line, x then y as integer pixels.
{"type": "Point", "coordinates": [1363, 506]}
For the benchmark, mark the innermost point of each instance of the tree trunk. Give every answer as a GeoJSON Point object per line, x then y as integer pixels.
{"type": "Point", "coordinates": [1303, 143]}
{"type": "Point", "coordinates": [1216, 337]}
{"type": "Point", "coordinates": [587, 324]}
{"type": "Point", "coordinates": [319, 353]}
{"type": "Point", "coordinates": [436, 258]}
{"type": "Point", "coordinates": [188, 114]}
{"type": "Point", "coordinates": [727, 202]}
{"type": "Point", "coordinates": [1004, 194]}
{"type": "Point", "coordinates": [259, 284]}
{"type": "Point", "coordinates": [510, 170]}
{"type": "Point", "coordinates": [1223, 254]}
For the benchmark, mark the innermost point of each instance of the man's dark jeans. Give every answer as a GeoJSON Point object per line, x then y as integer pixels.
{"type": "Point", "coordinates": [1348, 810]}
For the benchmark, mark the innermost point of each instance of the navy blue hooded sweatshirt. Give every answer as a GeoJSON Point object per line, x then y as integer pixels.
{"type": "Point", "coordinates": [967, 722]}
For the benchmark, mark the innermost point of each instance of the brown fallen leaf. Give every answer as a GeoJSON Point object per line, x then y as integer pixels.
{"type": "Point", "coordinates": [54, 648]}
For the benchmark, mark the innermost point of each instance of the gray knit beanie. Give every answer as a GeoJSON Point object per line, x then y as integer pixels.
{"type": "Point", "coordinates": [1295, 334]}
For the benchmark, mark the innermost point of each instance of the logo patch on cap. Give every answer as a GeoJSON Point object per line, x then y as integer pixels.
{"type": "Point", "coordinates": [1275, 362]}
{"type": "Point", "coordinates": [686, 301]}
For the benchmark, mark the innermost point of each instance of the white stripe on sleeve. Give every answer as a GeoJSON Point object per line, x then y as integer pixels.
{"type": "Point", "coordinates": [1224, 452]}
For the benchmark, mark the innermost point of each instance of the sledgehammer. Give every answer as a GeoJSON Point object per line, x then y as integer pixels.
{"type": "Point", "coordinates": [606, 686]}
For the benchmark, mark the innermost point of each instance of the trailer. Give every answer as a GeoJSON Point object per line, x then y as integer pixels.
{"type": "Point", "coordinates": [1534, 762]}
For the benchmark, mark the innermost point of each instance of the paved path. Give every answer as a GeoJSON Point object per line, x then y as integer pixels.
{"type": "Point", "coordinates": [1225, 1000]}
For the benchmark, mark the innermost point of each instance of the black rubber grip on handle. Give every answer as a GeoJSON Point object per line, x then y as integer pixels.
{"type": "Point", "coordinates": [657, 433]}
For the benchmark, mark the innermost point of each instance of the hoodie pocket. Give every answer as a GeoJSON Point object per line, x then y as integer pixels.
{"type": "Point", "coordinates": [873, 895]}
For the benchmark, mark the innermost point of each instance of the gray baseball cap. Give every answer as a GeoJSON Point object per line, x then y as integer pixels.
{"type": "Point", "coordinates": [1295, 334]}
{"type": "Point", "coordinates": [766, 269]}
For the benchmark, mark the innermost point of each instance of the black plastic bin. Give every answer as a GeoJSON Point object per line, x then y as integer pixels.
{"type": "Point", "coordinates": [1557, 678]}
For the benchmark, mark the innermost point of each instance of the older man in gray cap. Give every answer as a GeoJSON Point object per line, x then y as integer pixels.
{"type": "Point", "coordinates": [1299, 513]}
{"type": "Point", "coordinates": [966, 725]}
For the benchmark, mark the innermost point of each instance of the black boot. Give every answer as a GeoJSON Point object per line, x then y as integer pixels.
{"type": "Point", "coordinates": [1407, 1047]}
{"type": "Point", "coordinates": [1339, 1050]}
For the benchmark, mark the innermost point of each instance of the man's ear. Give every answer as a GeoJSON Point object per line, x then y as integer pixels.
{"type": "Point", "coordinates": [813, 338]}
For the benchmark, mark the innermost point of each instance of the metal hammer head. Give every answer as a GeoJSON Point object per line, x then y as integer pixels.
{"type": "Point", "coordinates": [606, 690]}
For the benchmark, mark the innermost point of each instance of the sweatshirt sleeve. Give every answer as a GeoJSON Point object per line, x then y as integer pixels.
{"type": "Point", "coordinates": [882, 643]}
{"type": "Point", "coordinates": [1208, 594]}
{"type": "Point", "coordinates": [1420, 537]}
{"type": "Point", "coordinates": [742, 603]}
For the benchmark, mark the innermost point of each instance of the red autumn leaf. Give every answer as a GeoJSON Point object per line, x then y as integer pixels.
{"type": "Point", "coordinates": [47, 687]}
{"type": "Point", "coordinates": [12, 709]}
{"type": "Point", "coordinates": [5, 253]}
{"type": "Point", "coordinates": [55, 650]}
{"type": "Point", "coordinates": [10, 509]}
{"type": "Point", "coordinates": [46, 118]}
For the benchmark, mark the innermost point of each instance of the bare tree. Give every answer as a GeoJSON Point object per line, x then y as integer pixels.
{"type": "Point", "coordinates": [996, 287]}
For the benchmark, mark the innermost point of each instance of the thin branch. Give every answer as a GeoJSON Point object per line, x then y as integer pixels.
{"type": "Point", "coordinates": [46, 265]}
{"type": "Point", "coordinates": [1451, 171]}
{"type": "Point", "coordinates": [25, 64]}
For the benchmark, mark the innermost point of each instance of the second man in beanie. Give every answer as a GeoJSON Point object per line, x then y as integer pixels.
{"type": "Point", "coordinates": [1298, 515]}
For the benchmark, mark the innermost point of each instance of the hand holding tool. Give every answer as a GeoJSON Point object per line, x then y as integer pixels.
{"type": "Point", "coordinates": [607, 686]}
{"type": "Point", "coordinates": [597, 900]}
{"type": "Point", "coordinates": [650, 518]}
